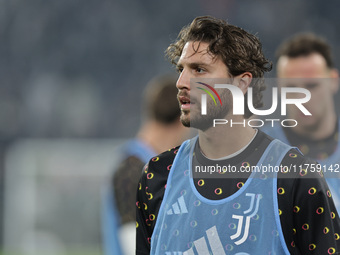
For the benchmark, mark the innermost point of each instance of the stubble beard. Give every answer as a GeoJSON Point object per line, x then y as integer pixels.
{"type": "Point", "coordinates": [193, 118]}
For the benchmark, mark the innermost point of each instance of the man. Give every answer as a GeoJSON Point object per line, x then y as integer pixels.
{"type": "Point", "coordinates": [182, 210]}
{"type": "Point", "coordinates": [305, 61]}
{"type": "Point", "coordinates": [160, 130]}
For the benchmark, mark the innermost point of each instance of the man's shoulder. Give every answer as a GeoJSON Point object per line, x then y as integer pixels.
{"type": "Point", "coordinates": [160, 165]}
{"type": "Point", "coordinates": [297, 165]}
{"type": "Point", "coordinates": [163, 161]}
{"type": "Point", "coordinates": [155, 175]}
{"type": "Point", "coordinates": [128, 167]}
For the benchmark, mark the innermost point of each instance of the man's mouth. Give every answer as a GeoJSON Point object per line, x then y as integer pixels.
{"type": "Point", "coordinates": [185, 102]}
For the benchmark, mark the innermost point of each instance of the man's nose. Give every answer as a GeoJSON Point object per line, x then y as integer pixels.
{"type": "Point", "coordinates": [183, 81]}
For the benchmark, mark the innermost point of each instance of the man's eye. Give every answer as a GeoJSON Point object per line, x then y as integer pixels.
{"type": "Point", "coordinates": [179, 69]}
{"type": "Point", "coordinates": [311, 85]}
{"type": "Point", "coordinates": [199, 70]}
{"type": "Point", "coordinates": [290, 85]}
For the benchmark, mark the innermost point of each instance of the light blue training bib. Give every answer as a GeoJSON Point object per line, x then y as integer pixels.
{"type": "Point", "coordinates": [246, 222]}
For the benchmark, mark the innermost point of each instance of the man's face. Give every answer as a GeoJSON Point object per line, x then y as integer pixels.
{"type": "Point", "coordinates": [309, 72]}
{"type": "Point", "coordinates": [197, 62]}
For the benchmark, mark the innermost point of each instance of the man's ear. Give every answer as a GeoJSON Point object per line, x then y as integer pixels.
{"type": "Point", "coordinates": [244, 81]}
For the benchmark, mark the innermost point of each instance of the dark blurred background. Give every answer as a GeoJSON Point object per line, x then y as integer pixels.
{"type": "Point", "coordinates": [75, 69]}
{"type": "Point", "coordinates": [69, 67]}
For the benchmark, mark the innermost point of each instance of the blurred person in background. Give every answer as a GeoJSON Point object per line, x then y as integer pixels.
{"type": "Point", "coordinates": [305, 61]}
{"type": "Point", "coordinates": [161, 130]}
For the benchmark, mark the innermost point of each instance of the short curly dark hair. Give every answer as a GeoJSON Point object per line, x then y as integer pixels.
{"type": "Point", "coordinates": [304, 44]}
{"type": "Point", "coordinates": [239, 50]}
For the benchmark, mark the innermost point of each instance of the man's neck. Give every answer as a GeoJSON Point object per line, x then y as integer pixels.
{"type": "Point", "coordinates": [221, 141]}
